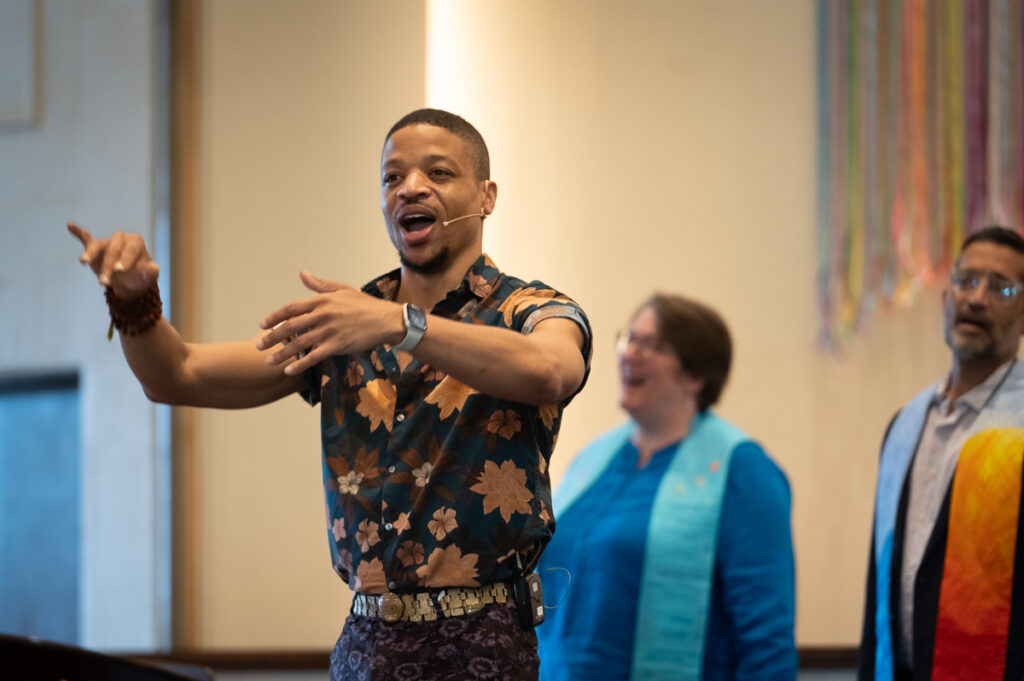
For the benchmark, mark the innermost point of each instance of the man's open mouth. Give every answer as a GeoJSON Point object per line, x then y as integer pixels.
{"type": "Point", "coordinates": [416, 221]}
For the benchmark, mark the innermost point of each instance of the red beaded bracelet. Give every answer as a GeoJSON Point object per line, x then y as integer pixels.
{"type": "Point", "coordinates": [136, 316]}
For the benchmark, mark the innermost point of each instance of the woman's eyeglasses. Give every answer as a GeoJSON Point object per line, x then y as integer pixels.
{"type": "Point", "coordinates": [644, 346]}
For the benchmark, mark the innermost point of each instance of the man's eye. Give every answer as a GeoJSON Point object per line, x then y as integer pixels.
{"type": "Point", "coordinates": [390, 178]}
{"type": "Point", "coordinates": [440, 173]}
{"type": "Point", "coordinates": [1001, 286]}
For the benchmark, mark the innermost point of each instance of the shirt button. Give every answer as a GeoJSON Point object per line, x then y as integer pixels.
{"type": "Point", "coordinates": [388, 526]}
{"type": "Point", "coordinates": [391, 469]}
{"type": "Point", "coordinates": [392, 585]}
{"type": "Point", "coordinates": [400, 418]}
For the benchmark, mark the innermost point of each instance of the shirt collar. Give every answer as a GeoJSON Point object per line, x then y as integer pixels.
{"type": "Point", "coordinates": [976, 397]}
{"type": "Point", "coordinates": [480, 280]}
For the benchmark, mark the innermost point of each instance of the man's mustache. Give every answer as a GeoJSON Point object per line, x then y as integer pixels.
{"type": "Point", "coordinates": [983, 322]}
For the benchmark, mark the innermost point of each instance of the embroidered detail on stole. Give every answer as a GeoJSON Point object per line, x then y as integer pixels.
{"type": "Point", "coordinates": [977, 575]}
{"type": "Point", "coordinates": [679, 557]}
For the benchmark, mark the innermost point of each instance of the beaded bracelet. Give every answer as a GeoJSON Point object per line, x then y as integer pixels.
{"type": "Point", "coordinates": [136, 316]}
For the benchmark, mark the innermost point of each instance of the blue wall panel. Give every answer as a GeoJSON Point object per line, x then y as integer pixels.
{"type": "Point", "coordinates": [39, 507]}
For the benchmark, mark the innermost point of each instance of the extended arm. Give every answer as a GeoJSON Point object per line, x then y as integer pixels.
{"type": "Point", "coordinates": [542, 367]}
{"type": "Point", "coordinates": [228, 375]}
{"type": "Point", "coordinates": [224, 375]}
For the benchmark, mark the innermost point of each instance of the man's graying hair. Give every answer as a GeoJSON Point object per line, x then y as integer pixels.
{"type": "Point", "coordinates": [996, 235]}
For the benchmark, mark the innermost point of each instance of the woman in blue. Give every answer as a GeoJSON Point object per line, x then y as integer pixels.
{"type": "Point", "coordinates": [673, 556]}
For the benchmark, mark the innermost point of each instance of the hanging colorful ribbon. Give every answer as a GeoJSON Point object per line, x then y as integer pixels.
{"type": "Point", "coordinates": [920, 143]}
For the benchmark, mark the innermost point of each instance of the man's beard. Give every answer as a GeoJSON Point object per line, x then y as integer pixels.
{"type": "Point", "coordinates": [981, 349]}
{"type": "Point", "coordinates": [434, 265]}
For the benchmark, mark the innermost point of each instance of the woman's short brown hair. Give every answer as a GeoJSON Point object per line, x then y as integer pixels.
{"type": "Point", "coordinates": [699, 338]}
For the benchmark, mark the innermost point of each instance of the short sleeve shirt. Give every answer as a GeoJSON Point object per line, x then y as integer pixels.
{"type": "Point", "coordinates": [429, 483]}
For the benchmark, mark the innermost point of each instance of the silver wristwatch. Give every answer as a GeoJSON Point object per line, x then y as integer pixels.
{"type": "Point", "coordinates": [415, 326]}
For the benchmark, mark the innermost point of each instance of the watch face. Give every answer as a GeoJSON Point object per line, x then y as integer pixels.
{"type": "Point", "coordinates": [417, 318]}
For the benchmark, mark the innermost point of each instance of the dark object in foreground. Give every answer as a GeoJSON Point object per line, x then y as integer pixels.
{"type": "Point", "coordinates": [32, 659]}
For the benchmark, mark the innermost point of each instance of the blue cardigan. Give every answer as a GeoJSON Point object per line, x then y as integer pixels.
{"type": "Point", "coordinates": [739, 594]}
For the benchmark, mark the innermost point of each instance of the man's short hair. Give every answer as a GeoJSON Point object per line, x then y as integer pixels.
{"type": "Point", "coordinates": [997, 235]}
{"type": "Point", "coordinates": [456, 125]}
{"type": "Point", "coordinates": [699, 338]}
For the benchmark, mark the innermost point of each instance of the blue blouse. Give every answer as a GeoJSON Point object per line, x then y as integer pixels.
{"type": "Point", "coordinates": [600, 541]}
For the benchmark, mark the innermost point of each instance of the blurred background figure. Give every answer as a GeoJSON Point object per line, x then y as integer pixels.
{"type": "Point", "coordinates": [943, 597]}
{"type": "Point", "coordinates": [673, 555]}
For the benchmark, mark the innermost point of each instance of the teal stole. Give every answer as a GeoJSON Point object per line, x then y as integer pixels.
{"type": "Point", "coordinates": [679, 553]}
{"type": "Point", "coordinates": [1005, 406]}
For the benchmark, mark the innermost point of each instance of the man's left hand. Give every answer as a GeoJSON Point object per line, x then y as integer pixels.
{"type": "Point", "coordinates": [336, 321]}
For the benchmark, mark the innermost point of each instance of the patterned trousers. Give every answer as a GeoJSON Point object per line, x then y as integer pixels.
{"type": "Point", "coordinates": [486, 645]}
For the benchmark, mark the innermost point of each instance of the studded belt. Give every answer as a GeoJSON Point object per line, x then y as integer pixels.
{"type": "Point", "coordinates": [426, 606]}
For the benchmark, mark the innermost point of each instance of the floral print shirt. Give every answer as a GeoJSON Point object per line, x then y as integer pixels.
{"type": "Point", "coordinates": [428, 482]}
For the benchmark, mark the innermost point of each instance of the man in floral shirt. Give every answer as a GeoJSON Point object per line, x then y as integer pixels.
{"type": "Point", "coordinates": [437, 428]}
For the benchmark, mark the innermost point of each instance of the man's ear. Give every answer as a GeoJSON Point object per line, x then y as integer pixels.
{"type": "Point", "coordinates": [490, 197]}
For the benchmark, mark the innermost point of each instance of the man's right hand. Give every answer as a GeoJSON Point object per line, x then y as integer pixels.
{"type": "Point", "coordinates": [120, 261]}
{"type": "Point", "coordinates": [223, 375]}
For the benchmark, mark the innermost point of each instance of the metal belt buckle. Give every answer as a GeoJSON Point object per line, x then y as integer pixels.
{"type": "Point", "coordinates": [390, 607]}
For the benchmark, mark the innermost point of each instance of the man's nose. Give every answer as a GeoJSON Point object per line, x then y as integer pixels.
{"type": "Point", "coordinates": [978, 296]}
{"type": "Point", "coordinates": [414, 184]}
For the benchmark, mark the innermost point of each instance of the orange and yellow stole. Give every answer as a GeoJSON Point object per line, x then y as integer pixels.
{"type": "Point", "coordinates": [977, 578]}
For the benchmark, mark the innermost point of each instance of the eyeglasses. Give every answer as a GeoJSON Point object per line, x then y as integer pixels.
{"type": "Point", "coordinates": [644, 346]}
{"type": "Point", "coordinates": [1002, 289]}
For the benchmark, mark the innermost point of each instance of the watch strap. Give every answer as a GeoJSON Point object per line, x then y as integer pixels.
{"type": "Point", "coordinates": [415, 326]}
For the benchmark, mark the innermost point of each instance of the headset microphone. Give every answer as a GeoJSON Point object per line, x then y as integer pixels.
{"type": "Point", "coordinates": [463, 217]}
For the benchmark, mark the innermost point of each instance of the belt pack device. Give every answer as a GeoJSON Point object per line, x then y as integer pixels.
{"type": "Point", "coordinates": [529, 597]}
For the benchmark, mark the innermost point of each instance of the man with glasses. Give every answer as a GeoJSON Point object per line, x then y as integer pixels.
{"type": "Point", "coordinates": [943, 598]}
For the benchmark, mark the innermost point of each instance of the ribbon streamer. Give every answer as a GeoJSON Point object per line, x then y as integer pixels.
{"type": "Point", "coordinates": [920, 143]}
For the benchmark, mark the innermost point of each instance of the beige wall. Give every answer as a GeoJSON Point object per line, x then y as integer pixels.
{"type": "Point", "coordinates": [637, 146]}
{"type": "Point", "coordinates": [294, 102]}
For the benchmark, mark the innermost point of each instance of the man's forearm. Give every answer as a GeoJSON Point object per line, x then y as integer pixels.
{"type": "Point", "coordinates": [543, 367]}
{"type": "Point", "coordinates": [223, 375]}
